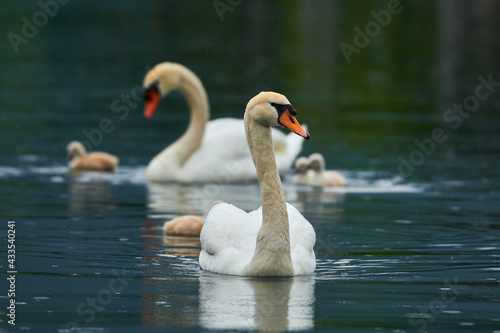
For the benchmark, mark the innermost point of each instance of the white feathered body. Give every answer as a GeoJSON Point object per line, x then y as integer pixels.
{"type": "Point", "coordinates": [229, 234]}
{"type": "Point", "coordinates": [223, 156]}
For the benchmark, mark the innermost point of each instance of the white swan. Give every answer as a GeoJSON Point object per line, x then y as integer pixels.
{"type": "Point", "coordinates": [207, 151]}
{"type": "Point", "coordinates": [78, 159]}
{"type": "Point", "coordinates": [318, 176]}
{"type": "Point", "coordinates": [274, 240]}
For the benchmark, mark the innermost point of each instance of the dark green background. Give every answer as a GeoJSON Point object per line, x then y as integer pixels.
{"type": "Point", "coordinates": [64, 80]}
{"type": "Point", "coordinates": [386, 245]}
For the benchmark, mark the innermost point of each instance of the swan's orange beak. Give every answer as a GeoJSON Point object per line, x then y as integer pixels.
{"type": "Point", "coordinates": [289, 121]}
{"type": "Point", "coordinates": [152, 98]}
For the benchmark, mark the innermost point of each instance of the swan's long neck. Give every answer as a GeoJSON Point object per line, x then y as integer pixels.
{"type": "Point", "coordinates": [192, 89]}
{"type": "Point", "coordinates": [272, 251]}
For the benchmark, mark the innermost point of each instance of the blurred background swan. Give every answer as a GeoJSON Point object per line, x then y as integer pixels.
{"type": "Point", "coordinates": [187, 225]}
{"type": "Point", "coordinates": [79, 159]}
{"type": "Point", "coordinates": [300, 171]}
{"type": "Point", "coordinates": [311, 171]}
{"type": "Point", "coordinates": [207, 150]}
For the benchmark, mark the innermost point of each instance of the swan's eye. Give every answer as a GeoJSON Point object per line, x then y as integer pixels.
{"type": "Point", "coordinates": [279, 107]}
{"type": "Point", "coordinates": [282, 108]}
{"type": "Point", "coordinates": [276, 106]}
{"type": "Point", "coordinates": [146, 94]}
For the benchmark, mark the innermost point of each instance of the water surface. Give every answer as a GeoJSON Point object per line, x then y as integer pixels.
{"type": "Point", "coordinates": [399, 250]}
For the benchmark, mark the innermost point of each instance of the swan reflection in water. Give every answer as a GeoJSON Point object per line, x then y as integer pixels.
{"type": "Point", "coordinates": [222, 301]}
{"type": "Point", "coordinates": [169, 200]}
{"type": "Point", "coordinates": [250, 303]}
{"type": "Point", "coordinates": [86, 199]}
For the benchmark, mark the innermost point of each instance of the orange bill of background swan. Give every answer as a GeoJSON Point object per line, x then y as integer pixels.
{"type": "Point", "coordinates": [152, 98]}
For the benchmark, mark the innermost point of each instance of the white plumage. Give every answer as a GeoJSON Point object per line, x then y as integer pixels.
{"type": "Point", "coordinates": [274, 240]}
{"type": "Point", "coordinates": [229, 233]}
{"type": "Point", "coordinates": [207, 150]}
{"type": "Point", "coordinates": [223, 153]}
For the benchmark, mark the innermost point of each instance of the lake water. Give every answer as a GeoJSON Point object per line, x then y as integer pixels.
{"type": "Point", "coordinates": [411, 119]}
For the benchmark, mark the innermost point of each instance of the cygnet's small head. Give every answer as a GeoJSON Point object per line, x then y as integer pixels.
{"type": "Point", "coordinates": [301, 165]}
{"type": "Point", "coordinates": [273, 109]}
{"type": "Point", "coordinates": [158, 82]}
{"type": "Point", "coordinates": [316, 162]}
{"type": "Point", "coordinates": [75, 150]}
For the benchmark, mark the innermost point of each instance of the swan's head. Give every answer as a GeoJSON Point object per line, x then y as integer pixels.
{"type": "Point", "coordinates": [301, 165]}
{"type": "Point", "coordinates": [316, 162]}
{"type": "Point", "coordinates": [75, 150]}
{"type": "Point", "coordinates": [158, 82]}
{"type": "Point", "coordinates": [273, 109]}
